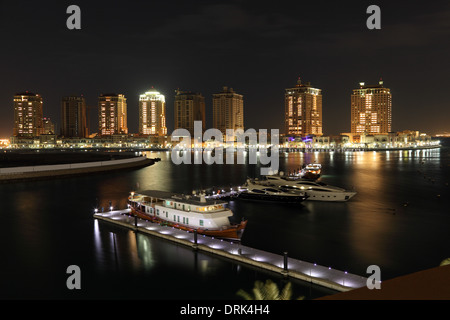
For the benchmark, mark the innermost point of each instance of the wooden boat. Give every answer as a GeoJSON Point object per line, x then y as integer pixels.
{"type": "Point", "coordinates": [193, 213]}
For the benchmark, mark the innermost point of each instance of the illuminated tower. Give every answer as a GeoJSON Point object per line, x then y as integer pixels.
{"type": "Point", "coordinates": [112, 114]}
{"type": "Point", "coordinates": [189, 107]}
{"type": "Point", "coordinates": [303, 110]}
{"type": "Point", "coordinates": [228, 110]}
{"type": "Point", "coordinates": [28, 115]}
{"type": "Point", "coordinates": [371, 111]}
{"type": "Point", "coordinates": [152, 114]}
{"type": "Point", "coordinates": [73, 117]}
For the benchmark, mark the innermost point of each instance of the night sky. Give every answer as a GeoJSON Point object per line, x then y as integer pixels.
{"type": "Point", "coordinates": [258, 48]}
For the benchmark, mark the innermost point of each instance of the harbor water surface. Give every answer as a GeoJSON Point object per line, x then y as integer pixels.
{"type": "Point", "coordinates": [399, 221]}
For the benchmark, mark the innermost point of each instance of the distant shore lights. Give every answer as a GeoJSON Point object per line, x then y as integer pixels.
{"type": "Point", "coordinates": [208, 147]}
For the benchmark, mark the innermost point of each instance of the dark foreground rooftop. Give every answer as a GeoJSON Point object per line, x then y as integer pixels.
{"type": "Point", "coordinates": [431, 284]}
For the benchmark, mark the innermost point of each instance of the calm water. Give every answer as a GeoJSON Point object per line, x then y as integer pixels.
{"type": "Point", "coordinates": [399, 220]}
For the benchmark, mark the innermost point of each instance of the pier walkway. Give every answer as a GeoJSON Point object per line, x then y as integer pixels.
{"type": "Point", "coordinates": [289, 267]}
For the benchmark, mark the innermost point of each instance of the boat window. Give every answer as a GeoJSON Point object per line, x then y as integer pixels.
{"type": "Point", "coordinates": [257, 191]}
{"type": "Point", "coordinates": [270, 190]}
{"type": "Point", "coordinates": [318, 189]}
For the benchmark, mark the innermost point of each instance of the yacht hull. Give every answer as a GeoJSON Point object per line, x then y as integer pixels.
{"type": "Point", "coordinates": [329, 196]}
{"type": "Point", "coordinates": [271, 198]}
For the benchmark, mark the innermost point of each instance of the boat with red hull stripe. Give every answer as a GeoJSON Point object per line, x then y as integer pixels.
{"type": "Point", "coordinates": [194, 213]}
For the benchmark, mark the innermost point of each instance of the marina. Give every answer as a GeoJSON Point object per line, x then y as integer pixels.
{"type": "Point", "coordinates": [282, 264]}
{"type": "Point", "coordinates": [121, 261]}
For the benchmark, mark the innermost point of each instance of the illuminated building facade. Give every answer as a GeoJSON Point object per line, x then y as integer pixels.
{"type": "Point", "coordinates": [73, 117]}
{"type": "Point", "coordinates": [28, 115]}
{"type": "Point", "coordinates": [112, 114]}
{"type": "Point", "coordinates": [371, 111]}
{"type": "Point", "coordinates": [303, 110]}
{"type": "Point", "coordinates": [49, 126]}
{"type": "Point", "coordinates": [228, 110]}
{"type": "Point", "coordinates": [189, 107]}
{"type": "Point", "coordinates": [152, 114]}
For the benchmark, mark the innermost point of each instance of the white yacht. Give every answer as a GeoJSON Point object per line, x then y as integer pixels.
{"type": "Point", "coordinates": [254, 190]}
{"type": "Point", "coordinates": [311, 171]}
{"type": "Point", "coordinates": [315, 190]}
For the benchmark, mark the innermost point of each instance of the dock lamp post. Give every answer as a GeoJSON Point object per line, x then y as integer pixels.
{"type": "Point", "coordinates": [195, 239]}
{"type": "Point", "coordinates": [285, 267]}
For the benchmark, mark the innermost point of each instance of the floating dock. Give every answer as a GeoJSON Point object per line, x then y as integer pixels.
{"type": "Point", "coordinates": [289, 267]}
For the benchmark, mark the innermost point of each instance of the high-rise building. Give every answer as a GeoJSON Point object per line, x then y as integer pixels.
{"type": "Point", "coordinates": [74, 117]}
{"type": "Point", "coordinates": [189, 107]}
{"type": "Point", "coordinates": [228, 110]}
{"type": "Point", "coordinates": [112, 114]}
{"type": "Point", "coordinates": [371, 111]}
{"type": "Point", "coordinates": [303, 110]}
{"type": "Point", "coordinates": [152, 114]}
{"type": "Point", "coordinates": [28, 115]}
{"type": "Point", "coordinates": [49, 126]}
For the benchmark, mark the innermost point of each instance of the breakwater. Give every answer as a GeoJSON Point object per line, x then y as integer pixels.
{"type": "Point", "coordinates": [21, 173]}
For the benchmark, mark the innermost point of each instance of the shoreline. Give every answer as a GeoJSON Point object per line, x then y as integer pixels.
{"type": "Point", "coordinates": [280, 149]}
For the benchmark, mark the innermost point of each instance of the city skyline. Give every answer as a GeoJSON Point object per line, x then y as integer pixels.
{"type": "Point", "coordinates": [258, 50]}
{"type": "Point", "coordinates": [302, 107]}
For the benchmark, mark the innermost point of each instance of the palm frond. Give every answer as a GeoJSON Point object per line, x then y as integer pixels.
{"type": "Point", "coordinates": [445, 262]}
{"type": "Point", "coordinates": [286, 293]}
{"type": "Point", "coordinates": [268, 291]}
{"type": "Point", "coordinates": [245, 295]}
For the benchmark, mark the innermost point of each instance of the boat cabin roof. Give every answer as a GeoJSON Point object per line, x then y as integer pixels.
{"type": "Point", "coordinates": [178, 197]}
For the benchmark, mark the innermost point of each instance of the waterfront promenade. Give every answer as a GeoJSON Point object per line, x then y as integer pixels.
{"type": "Point", "coordinates": [320, 275]}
